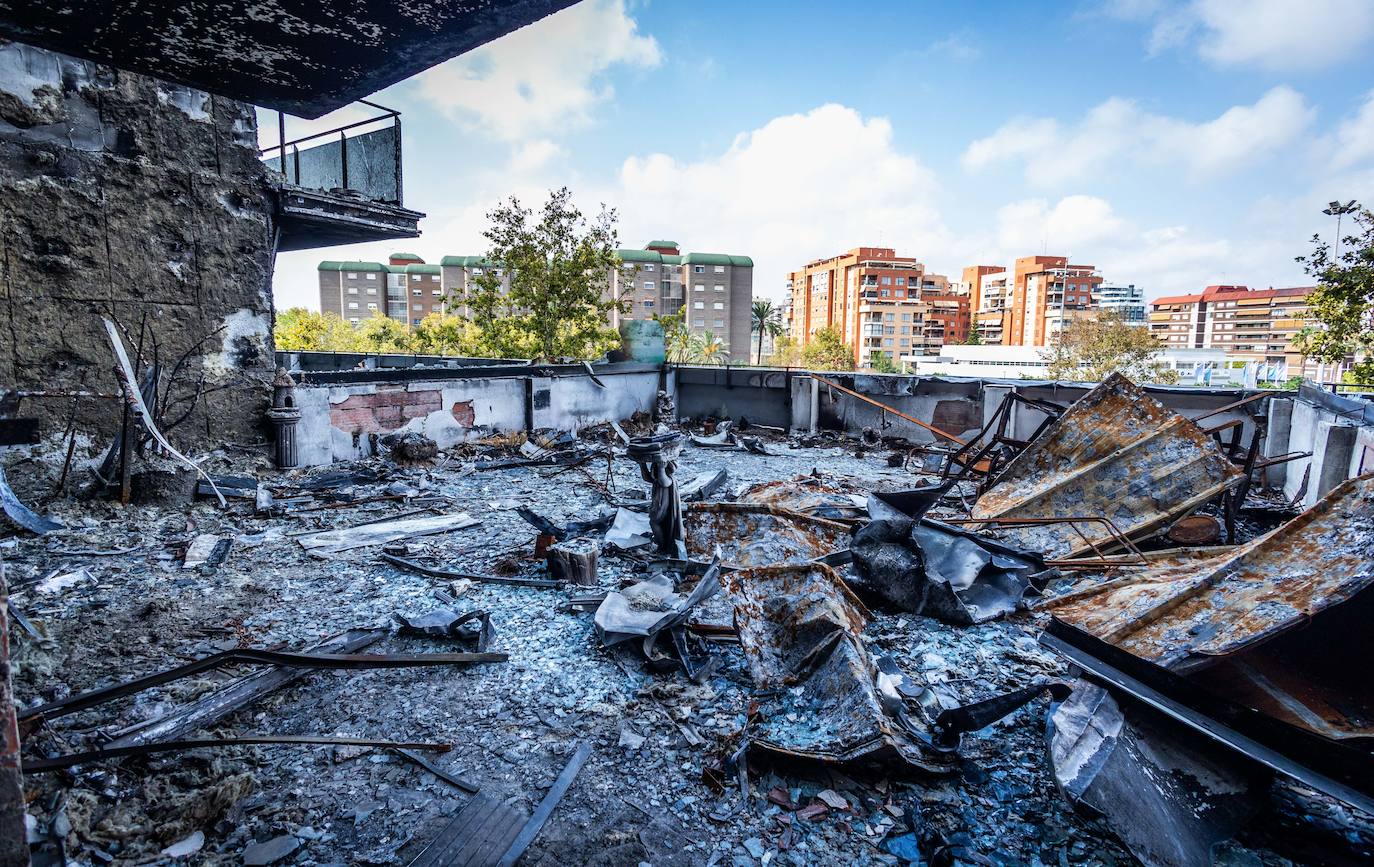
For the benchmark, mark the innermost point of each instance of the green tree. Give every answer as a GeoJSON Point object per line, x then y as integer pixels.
{"type": "Point", "coordinates": [559, 267]}
{"type": "Point", "coordinates": [703, 348]}
{"type": "Point", "coordinates": [1091, 348]}
{"type": "Point", "coordinates": [303, 330]}
{"type": "Point", "coordinates": [765, 318]}
{"type": "Point", "coordinates": [1341, 308]}
{"type": "Point", "coordinates": [786, 352]}
{"type": "Point", "coordinates": [677, 340]}
{"type": "Point", "coordinates": [827, 351]}
{"type": "Point", "coordinates": [381, 333]}
{"type": "Point", "coordinates": [974, 338]}
{"type": "Point", "coordinates": [881, 362]}
{"type": "Point", "coordinates": [299, 329]}
{"type": "Point", "coordinates": [443, 334]}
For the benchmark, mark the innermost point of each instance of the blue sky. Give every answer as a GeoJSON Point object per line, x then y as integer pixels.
{"type": "Point", "coordinates": [1172, 143]}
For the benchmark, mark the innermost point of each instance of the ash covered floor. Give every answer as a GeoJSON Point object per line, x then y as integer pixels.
{"type": "Point", "coordinates": [642, 797]}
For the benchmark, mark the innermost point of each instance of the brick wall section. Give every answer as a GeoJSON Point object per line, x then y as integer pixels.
{"type": "Point", "coordinates": [386, 410]}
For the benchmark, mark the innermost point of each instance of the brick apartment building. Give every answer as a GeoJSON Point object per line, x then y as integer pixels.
{"type": "Point", "coordinates": [405, 287]}
{"type": "Point", "coordinates": [880, 302]}
{"type": "Point", "coordinates": [1029, 305]}
{"type": "Point", "coordinates": [714, 291]}
{"type": "Point", "coordinates": [1250, 324]}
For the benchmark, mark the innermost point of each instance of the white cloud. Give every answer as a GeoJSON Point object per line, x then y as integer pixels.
{"type": "Point", "coordinates": [1354, 138]}
{"type": "Point", "coordinates": [798, 187]}
{"type": "Point", "coordinates": [959, 46]}
{"type": "Point", "coordinates": [1273, 34]}
{"type": "Point", "coordinates": [1074, 224]}
{"type": "Point", "coordinates": [1118, 131]}
{"type": "Point", "coordinates": [545, 77]}
{"type": "Point", "coordinates": [535, 155]}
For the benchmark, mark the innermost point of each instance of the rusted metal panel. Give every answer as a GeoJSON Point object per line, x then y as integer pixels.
{"type": "Point", "coordinates": [817, 496]}
{"type": "Point", "coordinates": [1117, 453]}
{"type": "Point", "coordinates": [758, 535]}
{"type": "Point", "coordinates": [1195, 611]}
{"type": "Point", "coordinates": [799, 627]}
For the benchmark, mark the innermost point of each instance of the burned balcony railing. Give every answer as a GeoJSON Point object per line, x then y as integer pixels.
{"type": "Point", "coordinates": [346, 158]}
{"type": "Point", "coordinates": [344, 190]}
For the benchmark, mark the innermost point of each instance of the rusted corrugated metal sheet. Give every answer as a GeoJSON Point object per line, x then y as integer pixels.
{"type": "Point", "coordinates": [819, 497]}
{"type": "Point", "coordinates": [799, 627]}
{"type": "Point", "coordinates": [1195, 612]}
{"type": "Point", "coordinates": [758, 535]}
{"type": "Point", "coordinates": [1117, 453]}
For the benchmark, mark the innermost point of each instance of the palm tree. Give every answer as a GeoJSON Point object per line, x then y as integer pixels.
{"type": "Point", "coordinates": [707, 349]}
{"type": "Point", "coordinates": [767, 318]}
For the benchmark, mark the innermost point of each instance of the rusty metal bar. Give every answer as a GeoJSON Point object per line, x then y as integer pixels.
{"type": "Point", "coordinates": [1102, 561]}
{"type": "Point", "coordinates": [866, 399]}
{"type": "Point", "coordinates": [1236, 405]}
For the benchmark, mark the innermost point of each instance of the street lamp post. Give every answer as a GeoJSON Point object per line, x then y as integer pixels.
{"type": "Point", "coordinates": [1337, 210]}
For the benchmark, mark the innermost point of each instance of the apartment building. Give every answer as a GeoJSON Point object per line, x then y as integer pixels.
{"type": "Point", "coordinates": [713, 291]}
{"type": "Point", "coordinates": [1128, 301]}
{"type": "Point", "coordinates": [991, 304]}
{"type": "Point", "coordinates": [1250, 324]}
{"type": "Point", "coordinates": [1046, 293]}
{"type": "Point", "coordinates": [882, 303]}
{"type": "Point", "coordinates": [405, 287]}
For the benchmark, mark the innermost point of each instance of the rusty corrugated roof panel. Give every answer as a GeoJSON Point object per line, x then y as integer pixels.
{"type": "Point", "coordinates": [1117, 453]}
{"type": "Point", "coordinates": [1185, 613]}
{"type": "Point", "coordinates": [820, 497]}
{"type": "Point", "coordinates": [757, 535]}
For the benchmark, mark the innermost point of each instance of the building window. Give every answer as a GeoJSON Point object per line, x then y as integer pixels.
{"type": "Point", "coordinates": [699, 323]}
{"type": "Point", "coordinates": [885, 293]}
{"type": "Point", "coordinates": [414, 322]}
{"type": "Point", "coordinates": [698, 269]}
{"type": "Point", "coordinates": [887, 281]}
{"type": "Point", "coordinates": [887, 342]}
{"type": "Point", "coordinates": [415, 278]}
{"type": "Point", "coordinates": [720, 269]}
{"type": "Point", "coordinates": [353, 305]}
{"type": "Point", "coordinates": [901, 281]}
{"type": "Point", "coordinates": [720, 287]}
{"type": "Point", "coordinates": [417, 291]}
{"type": "Point", "coordinates": [719, 305]}
{"type": "Point", "coordinates": [720, 323]}
{"type": "Point", "coordinates": [436, 292]}
{"type": "Point", "coordinates": [352, 290]}
{"type": "Point", "coordinates": [372, 305]}
{"type": "Point", "coordinates": [649, 286]}
{"type": "Point", "coordinates": [648, 267]}
{"type": "Point", "coordinates": [419, 307]}
{"type": "Point", "coordinates": [497, 272]}
{"type": "Point", "coordinates": [477, 272]}
{"type": "Point", "coordinates": [371, 276]}
{"type": "Point", "coordinates": [372, 290]}
{"type": "Point", "coordinates": [698, 305]}
{"type": "Point", "coordinates": [648, 303]}
{"type": "Point", "coordinates": [352, 276]}
{"type": "Point", "coordinates": [698, 288]}
{"type": "Point", "coordinates": [353, 319]}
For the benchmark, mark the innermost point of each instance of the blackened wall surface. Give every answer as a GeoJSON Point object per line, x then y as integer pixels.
{"type": "Point", "coordinates": [125, 194]}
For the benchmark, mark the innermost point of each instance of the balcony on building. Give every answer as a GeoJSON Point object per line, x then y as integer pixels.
{"type": "Point", "coordinates": [341, 186]}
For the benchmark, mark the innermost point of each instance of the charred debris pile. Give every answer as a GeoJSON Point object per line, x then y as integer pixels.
{"type": "Point", "coordinates": [722, 644]}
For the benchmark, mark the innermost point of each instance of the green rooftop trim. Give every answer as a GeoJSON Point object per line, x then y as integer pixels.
{"type": "Point", "coordinates": [652, 244]}
{"type": "Point", "coordinates": [330, 265]}
{"type": "Point", "coordinates": [467, 262]}
{"type": "Point", "coordinates": [413, 256]}
{"type": "Point", "coordinates": [639, 256]}
{"type": "Point", "coordinates": [717, 259]}
{"type": "Point", "coordinates": [671, 259]}
{"type": "Point", "coordinates": [423, 269]}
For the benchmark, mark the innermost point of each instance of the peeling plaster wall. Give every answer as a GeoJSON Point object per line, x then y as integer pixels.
{"type": "Point", "coordinates": [343, 422]}
{"type": "Point", "coordinates": [123, 193]}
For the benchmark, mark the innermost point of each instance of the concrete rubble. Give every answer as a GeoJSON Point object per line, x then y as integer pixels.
{"type": "Point", "coordinates": [629, 646]}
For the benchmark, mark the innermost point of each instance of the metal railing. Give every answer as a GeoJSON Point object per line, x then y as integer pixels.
{"type": "Point", "coordinates": [368, 163]}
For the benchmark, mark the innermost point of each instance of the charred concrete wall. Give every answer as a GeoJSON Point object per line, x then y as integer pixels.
{"type": "Point", "coordinates": [342, 420]}
{"type": "Point", "coordinates": [120, 193]}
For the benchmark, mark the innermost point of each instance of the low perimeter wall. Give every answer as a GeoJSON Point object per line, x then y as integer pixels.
{"type": "Point", "coordinates": [344, 412]}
